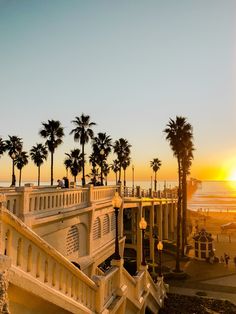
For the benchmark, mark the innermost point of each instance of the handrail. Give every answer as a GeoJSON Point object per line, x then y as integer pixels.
{"type": "Point", "coordinates": [49, 266]}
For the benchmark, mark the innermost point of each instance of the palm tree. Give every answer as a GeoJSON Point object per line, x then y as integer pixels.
{"type": "Point", "coordinates": [82, 133]}
{"type": "Point", "coordinates": [186, 162]}
{"type": "Point", "coordinates": [21, 161]}
{"type": "Point", "coordinates": [93, 160]}
{"type": "Point", "coordinates": [38, 154]}
{"type": "Point", "coordinates": [74, 162]}
{"type": "Point", "coordinates": [176, 133]}
{"type": "Point", "coordinates": [106, 170]}
{"type": "Point", "coordinates": [53, 132]}
{"type": "Point", "coordinates": [102, 148]}
{"type": "Point", "coordinates": [115, 167]}
{"type": "Point", "coordinates": [2, 146]}
{"type": "Point", "coordinates": [122, 150]}
{"type": "Point", "coordinates": [155, 165]}
{"type": "Point", "coordinates": [125, 164]}
{"type": "Point", "coordinates": [67, 165]}
{"type": "Point", "coordinates": [14, 147]}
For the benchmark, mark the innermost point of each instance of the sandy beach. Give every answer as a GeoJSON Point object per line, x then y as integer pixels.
{"type": "Point", "coordinates": [225, 241]}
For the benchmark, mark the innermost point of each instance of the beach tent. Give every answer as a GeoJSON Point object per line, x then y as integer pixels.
{"type": "Point", "coordinates": [229, 225]}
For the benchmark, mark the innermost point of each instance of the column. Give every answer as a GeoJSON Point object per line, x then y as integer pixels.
{"type": "Point", "coordinates": [159, 221]}
{"type": "Point", "coordinates": [165, 233]}
{"type": "Point", "coordinates": [151, 240]}
{"type": "Point", "coordinates": [139, 236]}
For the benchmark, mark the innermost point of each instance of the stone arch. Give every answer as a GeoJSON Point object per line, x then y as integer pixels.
{"type": "Point", "coordinates": [83, 236]}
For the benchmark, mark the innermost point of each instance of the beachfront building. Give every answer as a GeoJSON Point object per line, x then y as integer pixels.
{"type": "Point", "coordinates": [57, 249]}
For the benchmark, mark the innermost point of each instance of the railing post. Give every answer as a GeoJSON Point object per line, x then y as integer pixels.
{"type": "Point", "coordinates": [90, 193]}
{"type": "Point", "coordinates": [121, 288]}
{"type": "Point", "coordinates": [5, 264]}
{"type": "Point", "coordinates": [25, 201]}
{"type": "Point", "coordinates": [100, 281]}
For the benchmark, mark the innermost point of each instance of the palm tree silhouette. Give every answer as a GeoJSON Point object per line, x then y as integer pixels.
{"type": "Point", "coordinates": [14, 147]}
{"type": "Point", "coordinates": [82, 133]}
{"type": "Point", "coordinates": [121, 148]}
{"type": "Point", "coordinates": [155, 165]}
{"type": "Point", "coordinates": [93, 160]}
{"type": "Point", "coordinates": [115, 167]}
{"type": "Point", "coordinates": [74, 162]}
{"type": "Point", "coordinates": [21, 161]}
{"type": "Point", "coordinates": [176, 133]}
{"type": "Point", "coordinates": [53, 132]}
{"type": "Point", "coordinates": [102, 148]}
{"type": "Point", "coordinates": [186, 162]}
{"type": "Point", "coordinates": [2, 146]}
{"type": "Point", "coordinates": [38, 154]}
{"type": "Point", "coordinates": [125, 164]}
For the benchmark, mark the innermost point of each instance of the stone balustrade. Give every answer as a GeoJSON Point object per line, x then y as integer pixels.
{"type": "Point", "coordinates": [31, 200]}
{"type": "Point", "coordinates": [31, 255]}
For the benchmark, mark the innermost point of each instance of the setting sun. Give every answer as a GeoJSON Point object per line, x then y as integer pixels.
{"type": "Point", "coordinates": [232, 176]}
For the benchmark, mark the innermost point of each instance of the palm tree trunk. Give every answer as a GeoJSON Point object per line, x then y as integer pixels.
{"type": "Point", "coordinates": [51, 168]}
{"type": "Point", "coordinates": [116, 178]}
{"type": "Point", "coordinates": [75, 180]}
{"type": "Point", "coordinates": [184, 209]}
{"type": "Point", "coordinates": [124, 178]}
{"type": "Point", "coordinates": [177, 266]}
{"type": "Point", "coordinates": [119, 180]}
{"type": "Point", "coordinates": [155, 182]}
{"type": "Point", "coordinates": [13, 183]}
{"type": "Point", "coordinates": [83, 177]}
{"type": "Point", "coordinates": [38, 175]}
{"type": "Point", "coordinates": [102, 173]}
{"type": "Point", "coordinates": [20, 178]}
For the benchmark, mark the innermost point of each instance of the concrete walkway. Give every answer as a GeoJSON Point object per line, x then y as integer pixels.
{"type": "Point", "coordinates": [215, 281]}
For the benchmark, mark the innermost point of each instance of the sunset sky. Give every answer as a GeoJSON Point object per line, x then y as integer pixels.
{"type": "Point", "coordinates": [130, 65]}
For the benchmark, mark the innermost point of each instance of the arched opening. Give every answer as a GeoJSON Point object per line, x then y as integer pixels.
{"type": "Point", "coordinates": [29, 259]}
{"type": "Point", "coordinates": [38, 261]}
{"type": "Point", "coordinates": [19, 252]}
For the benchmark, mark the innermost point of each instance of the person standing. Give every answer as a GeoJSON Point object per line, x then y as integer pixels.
{"type": "Point", "coordinates": [66, 182]}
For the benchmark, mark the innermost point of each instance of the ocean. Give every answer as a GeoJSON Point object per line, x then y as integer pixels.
{"type": "Point", "coordinates": [214, 196]}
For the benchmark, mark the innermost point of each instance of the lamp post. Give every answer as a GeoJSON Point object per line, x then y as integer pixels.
{"type": "Point", "coordinates": [160, 248]}
{"type": "Point", "coordinates": [13, 181]}
{"type": "Point", "coordinates": [116, 202]}
{"type": "Point", "coordinates": [143, 226]}
{"type": "Point", "coordinates": [102, 154]}
{"type": "Point", "coordinates": [132, 180]}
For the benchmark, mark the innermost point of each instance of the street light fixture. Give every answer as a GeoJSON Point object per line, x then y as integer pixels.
{"type": "Point", "coordinates": [13, 181]}
{"type": "Point", "coordinates": [132, 180]}
{"type": "Point", "coordinates": [160, 248]}
{"type": "Point", "coordinates": [116, 202]}
{"type": "Point", "coordinates": [143, 226]}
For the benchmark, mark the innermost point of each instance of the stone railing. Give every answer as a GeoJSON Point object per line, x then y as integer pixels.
{"type": "Point", "coordinates": [34, 257]}
{"type": "Point", "coordinates": [139, 286]}
{"type": "Point", "coordinates": [31, 200]}
{"type": "Point", "coordinates": [139, 192]}
{"type": "Point", "coordinates": [102, 193]}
